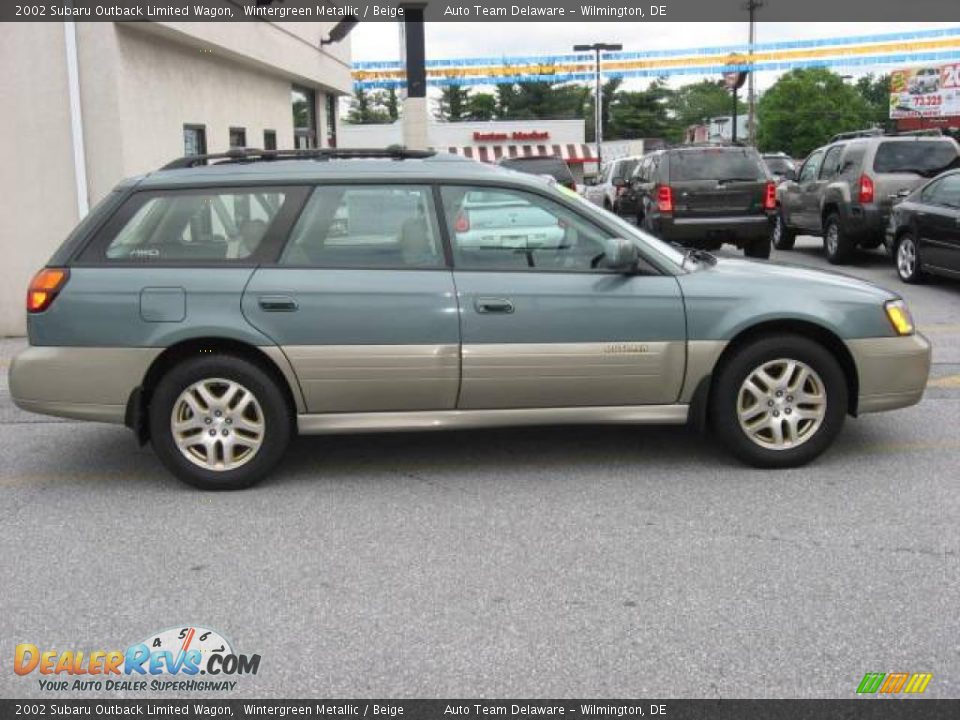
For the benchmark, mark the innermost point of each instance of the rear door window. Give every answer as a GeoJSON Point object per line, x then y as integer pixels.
{"type": "Point", "coordinates": [217, 225]}
{"type": "Point", "coordinates": [710, 164]}
{"type": "Point", "coordinates": [366, 226]}
{"type": "Point", "coordinates": [922, 157]}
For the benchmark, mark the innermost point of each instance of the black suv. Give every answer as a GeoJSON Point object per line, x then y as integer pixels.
{"type": "Point", "coordinates": [845, 189]}
{"type": "Point", "coordinates": [704, 196]}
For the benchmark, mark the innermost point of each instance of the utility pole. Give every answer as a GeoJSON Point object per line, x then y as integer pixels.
{"type": "Point", "coordinates": [598, 104]}
{"type": "Point", "coordinates": [751, 7]}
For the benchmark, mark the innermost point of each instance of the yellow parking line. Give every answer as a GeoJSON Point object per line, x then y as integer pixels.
{"type": "Point", "coordinates": [947, 381]}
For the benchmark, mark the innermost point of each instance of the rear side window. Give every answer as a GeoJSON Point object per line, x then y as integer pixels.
{"type": "Point", "coordinates": [624, 169]}
{"type": "Point", "coordinates": [217, 225]}
{"type": "Point", "coordinates": [923, 157]}
{"type": "Point", "coordinates": [716, 164]}
{"type": "Point", "coordinates": [366, 226]}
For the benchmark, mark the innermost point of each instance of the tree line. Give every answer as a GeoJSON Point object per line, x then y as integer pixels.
{"type": "Point", "coordinates": [796, 114]}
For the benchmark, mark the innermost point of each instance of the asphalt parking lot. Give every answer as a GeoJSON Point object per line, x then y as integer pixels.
{"type": "Point", "coordinates": [589, 562]}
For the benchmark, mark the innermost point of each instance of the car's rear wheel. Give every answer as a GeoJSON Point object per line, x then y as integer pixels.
{"type": "Point", "coordinates": [838, 247]}
{"type": "Point", "coordinates": [783, 237]}
{"type": "Point", "coordinates": [908, 259]}
{"type": "Point", "coordinates": [779, 401]}
{"type": "Point", "coordinates": [219, 422]}
{"type": "Point", "coordinates": [758, 248]}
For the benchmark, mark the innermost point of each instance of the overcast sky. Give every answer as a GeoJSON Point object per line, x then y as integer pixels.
{"type": "Point", "coordinates": [381, 41]}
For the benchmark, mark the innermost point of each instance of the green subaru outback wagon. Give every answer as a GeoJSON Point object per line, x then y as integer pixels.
{"type": "Point", "coordinates": [226, 302]}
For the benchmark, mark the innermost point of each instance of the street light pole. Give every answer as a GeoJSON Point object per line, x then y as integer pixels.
{"type": "Point", "coordinates": [598, 103]}
{"type": "Point", "coordinates": [751, 7]}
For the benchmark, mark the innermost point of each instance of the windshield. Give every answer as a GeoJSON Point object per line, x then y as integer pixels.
{"type": "Point", "coordinates": [632, 232]}
{"type": "Point", "coordinates": [715, 164]}
{"type": "Point", "coordinates": [924, 157]}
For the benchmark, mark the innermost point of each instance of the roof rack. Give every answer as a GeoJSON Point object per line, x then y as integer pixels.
{"type": "Point", "coordinates": [869, 132]}
{"type": "Point", "coordinates": [250, 155]}
{"type": "Point", "coordinates": [936, 132]}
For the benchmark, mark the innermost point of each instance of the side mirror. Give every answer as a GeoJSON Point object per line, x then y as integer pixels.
{"type": "Point", "coordinates": [619, 182]}
{"type": "Point", "coordinates": [620, 254]}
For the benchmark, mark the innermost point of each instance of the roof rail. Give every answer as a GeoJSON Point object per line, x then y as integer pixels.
{"type": "Point", "coordinates": [250, 155]}
{"type": "Point", "coordinates": [919, 133]}
{"type": "Point", "coordinates": [869, 132]}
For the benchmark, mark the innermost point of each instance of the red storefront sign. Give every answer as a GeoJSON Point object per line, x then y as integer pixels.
{"type": "Point", "coordinates": [517, 136]}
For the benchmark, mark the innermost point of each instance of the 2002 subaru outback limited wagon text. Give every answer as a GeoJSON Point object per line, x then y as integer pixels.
{"type": "Point", "coordinates": [224, 303]}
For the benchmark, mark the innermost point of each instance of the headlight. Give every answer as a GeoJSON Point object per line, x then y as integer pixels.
{"type": "Point", "coordinates": [899, 317]}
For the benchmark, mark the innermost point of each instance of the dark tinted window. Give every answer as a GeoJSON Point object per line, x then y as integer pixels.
{"type": "Point", "coordinates": [555, 167]}
{"type": "Point", "coordinates": [710, 164]}
{"type": "Point", "coordinates": [943, 192]}
{"type": "Point", "coordinates": [366, 226]}
{"type": "Point", "coordinates": [831, 162]}
{"type": "Point", "coordinates": [923, 157]}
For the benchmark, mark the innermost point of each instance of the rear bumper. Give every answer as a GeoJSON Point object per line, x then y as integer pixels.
{"type": "Point", "coordinates": [892, 372]}
{"type": "Point", "coordinates": [78, 382]}
{"type": "Point", "coordinates": [735, 229]}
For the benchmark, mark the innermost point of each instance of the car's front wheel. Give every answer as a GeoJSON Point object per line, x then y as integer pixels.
{"type": "Point", "coordinates": [908, 259]}
{"type": "Point", "coordinates": [219, 422]}
{"type": "Point", "coordinates": [779, 401]}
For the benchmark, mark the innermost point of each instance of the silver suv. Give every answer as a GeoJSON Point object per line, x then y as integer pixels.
{"type": "Point", "coordinates": [844, 190]}
{"type": "Point", "coordinates": [609, 189]}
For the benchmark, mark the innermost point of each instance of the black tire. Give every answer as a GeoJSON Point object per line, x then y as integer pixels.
{"type": "Point", "coordinates": [782, 235]}
{"type": "Point", "coordinates": [906, 256]}
{"type": "Point", "coordinates": [273, 413]}
{"type": "Point", "coordinates": [743, 363]}
{"type": "Point", "coordinates": [759, 249]}
{"type": "Point", "coordinates": [836, 245]}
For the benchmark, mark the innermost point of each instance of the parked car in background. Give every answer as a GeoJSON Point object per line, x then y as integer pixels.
{"type": "Point", "coordinates": [555, 167]}
{"type": "Point", "coordinates": [781, 166]}
{"type": "Point", "coordinates": [612, 184]}
{"type": "Point", "coordinates": [845, 189]}
{"type": "Point", "coordinates": [706, 195]}
{"type": "Point", "coordinates": [924, 230]}
{"type": "Point", "coordinates": [218, 309]}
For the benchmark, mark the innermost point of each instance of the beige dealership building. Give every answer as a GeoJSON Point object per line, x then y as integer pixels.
{"type": "Point", "coordinates": [86, 104]}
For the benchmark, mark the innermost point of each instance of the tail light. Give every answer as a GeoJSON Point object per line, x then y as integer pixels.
{"type": "Point", "coordinates": [462, 223]}
{"type": "Point", "coordinates": [866, 189]}
{"type": "Point", "coordinates": [44, 288]}
{"type": "Point", "coordinates": [665, 198]}
{"type": "Point", "coordinates": [770, 197]}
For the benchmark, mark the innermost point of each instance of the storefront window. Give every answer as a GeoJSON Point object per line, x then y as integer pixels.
{"type": "Point", "coordinates": [304, 102]}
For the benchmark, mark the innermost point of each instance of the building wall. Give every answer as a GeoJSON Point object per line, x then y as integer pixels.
{"type": "Point", "coordinates": [139, 84]}
{"type": "Point", "coordinates": [36, 177]}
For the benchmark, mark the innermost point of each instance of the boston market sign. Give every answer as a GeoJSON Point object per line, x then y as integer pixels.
{"type": "Point", "coordinates": [517, 136]}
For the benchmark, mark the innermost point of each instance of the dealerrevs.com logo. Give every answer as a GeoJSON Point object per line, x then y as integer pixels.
{"type": "Point", "coordinates": [171, 660]}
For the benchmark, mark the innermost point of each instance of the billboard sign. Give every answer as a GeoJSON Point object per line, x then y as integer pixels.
{"type": "Point", "coordinates": [926, 91]}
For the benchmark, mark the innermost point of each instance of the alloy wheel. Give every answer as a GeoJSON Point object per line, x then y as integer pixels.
{"type": "Point", "coordinates": [781, 404]}
{"type": "Point", "coordinates": [217, 424]}
{"type": "Point", "coordinates": [906, 258]}
{"type": "Point", "coordinates": [833, 238]}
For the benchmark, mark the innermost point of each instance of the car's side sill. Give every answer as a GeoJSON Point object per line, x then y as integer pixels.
{"type": "Point", "coordinates": [325, 423]}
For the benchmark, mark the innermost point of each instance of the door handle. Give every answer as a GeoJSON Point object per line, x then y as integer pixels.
{"type": "Point", "coordinates": [493, 305]}
{"type": "Point", "coordinates": [277, 303]}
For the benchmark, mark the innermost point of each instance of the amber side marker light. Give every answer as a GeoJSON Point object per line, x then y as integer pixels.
{"type": "Point", "coordinates": [44, 288]}
{"type": "Point", "coordinates": [899, 317]}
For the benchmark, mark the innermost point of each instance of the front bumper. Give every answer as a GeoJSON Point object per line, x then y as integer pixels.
{"type": "Point", "coordinates": [892, 371]}
{"type": "Point", "coordinates": [78, 382]}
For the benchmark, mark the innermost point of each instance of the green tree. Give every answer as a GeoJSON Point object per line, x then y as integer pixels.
{"type": "Point", "coordinates": [453, 103]}
{"type": "Point", "coordinates": [643, 113]}
{"type": "Point", "coordinates": [694, 103]}
{"type": "Point", "coordinates": [392, 104]}
{"type": "Point", "coordinates": [805, 107]}
{"type": "Point", "coordinates": [367, 108]}
{"type": "Point", "coordinates": [876, 91]}
{"type": "Point", "coordinates": [481, 106]}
